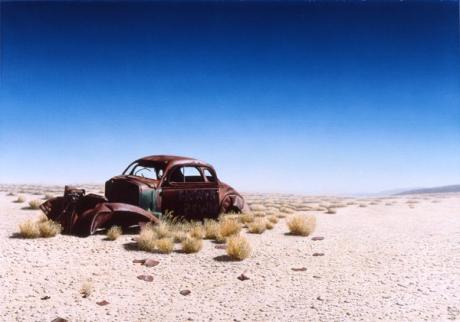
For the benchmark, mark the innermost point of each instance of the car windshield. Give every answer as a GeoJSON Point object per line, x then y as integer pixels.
{"type": "Point", "coordinates": [146, 170]}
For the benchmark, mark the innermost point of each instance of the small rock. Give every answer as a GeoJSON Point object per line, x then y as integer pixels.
{"type": "Point", "coordinates": [147, 278]}
{"type": "Point", "coordinates": [318, 254]}
{"type": "Point", "coordinates": [316, 276]}
{"type": "Point", "coordinates": [300, 269]}
{"type": "Point", "coordinates": [139, 261]}
{"type": "Point", "coordinates": [102, 303]}
{"type": "Point", "coordinates": [46, 297]}
{"type": "Point", "coordinates": [243, 277]}
{"type": "Point", "coordinates": [185, 292]}
{"type": "Point", "coordinates": [317, 238]}
{"type": "Point", "coordinates": [59, 319]}
{"type": "Point", "coordinates": [150, 262]}
{"type": "Point", "coordinates": [319, 298]}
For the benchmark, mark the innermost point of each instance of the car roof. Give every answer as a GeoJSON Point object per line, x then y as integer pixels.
{"type": "Point", "coordinates": [164, 158]}
{"type": "Point", "coordinates": [173, 160]}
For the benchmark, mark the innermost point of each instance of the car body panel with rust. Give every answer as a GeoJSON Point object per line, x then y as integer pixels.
{"type": "Point", "coordinates": [185, 187]}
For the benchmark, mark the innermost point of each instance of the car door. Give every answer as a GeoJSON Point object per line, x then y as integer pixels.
{"type": "Point", "coordinates": [190, 194]}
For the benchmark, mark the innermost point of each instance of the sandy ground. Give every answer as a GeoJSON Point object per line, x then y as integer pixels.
{"type": "Point", "coordinates": [381, 262]}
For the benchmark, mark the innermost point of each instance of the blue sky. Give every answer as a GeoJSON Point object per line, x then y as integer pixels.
{"type": "Point", "coordinates": [326, 97]}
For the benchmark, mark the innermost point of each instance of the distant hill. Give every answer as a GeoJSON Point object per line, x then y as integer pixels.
{"type": "Point", "coordinates": [443, 189]}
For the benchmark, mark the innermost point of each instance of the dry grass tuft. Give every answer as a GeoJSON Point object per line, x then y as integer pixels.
{"type": "Point", "coordinates": [238, 247]}
{"type": "Point", "coordinates": [269, 225]}
{"type": "Point", "coordinates": [258, 226]}
{"type": "Point", "coordinates": [301, 225]}
{"type": "Point", "coordinates": [48, 228]}
{"type": "Point", "coordinates": [20, 199]}
{"type": "Point", "coordinates": [211, 228]}
{"type": "Point", "coordinates": [162, 230]}
{"type": "Point", "coordinates": [35, 204]}
{"type": "Point", "coordinates": [247, 218]}
{"type": "Point", "coordinates": [49, 196]}
{"type": "Point", "coordinates": [197, 231]}
{"type": "Point", "coordinates": [273, 219]}
{"type": "Point", "coordinates": [192, 245]}
{"type": "Point", "coordinates": [164, 245]}
{"type": "Point", "coordinates": [29, 229]}
{"type": "Point", "coordinates": [179, 235]}
{"type": "Point", "coordinates": [147, 238]}
{"type": "Point", "coordinates": [86, 289]}
{"type": "Point", "coordinates": [229, 226]}
{"type": "Point", "coordinates": [114, 232]}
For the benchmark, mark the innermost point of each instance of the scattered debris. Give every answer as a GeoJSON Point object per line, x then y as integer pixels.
{"type": "Point", "coordinates": [319, 298]}
{"type": "Point", "coordinates": [317, 238]}
{"type": "Point", "coordinates": [102, 303]}
{"type": "Point", "coordinates": [243, 277]}
{"type": "Point", "coordinates": [147, 278]}
{"type": "Point", "coordinates": [318, 254]}
{"type": "Point", "coordinates": [316, 276]}
{"type": "Point", "coordinates": [185, 292]}
{"type": "Point", "coordinates": [220, 247]}
{"type": "Point", "coordinates": [46, 297]}
{"type": "Point", "coordinates": [301, 269]}
{"type": "Point", "coordinates": [59, 319]}
{"type": "Point", "coordinates": [150, 262]}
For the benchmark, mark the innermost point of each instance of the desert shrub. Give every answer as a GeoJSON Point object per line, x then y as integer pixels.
{"type": "Point", "coordinates": [269, 225]}
{"type": "Point", "coordinates": [286, 210]}
{"type": "Point", "coordinates": [178, 235]}
{"type": "Point", "coordinates": [146, 239]}
{"type": "Point", "coordinates": [35, 204]}
{"type": "Point", "coordinates": [257, 207]}
{"type": "Point", "coordinates": [229, 226]}
{"type": "Point", "coordinates": [192, 245]}
{"type": "Point", "coordinates": [114, 232]}
{"type": "Point", "coordinates": [362, 205]}
{"type": "Point", "coordinates": [197, 231]}
{"type": "Point", "coordinates": [29, 229]}
{"type": "Point", "coordinates": [258, 226]}
{"type": "Point", "coordinates": [211, 228]}
{"type": "Point", "coordinates": [219, 238]}
{"type": "Point", "coordinates": [238, 247]}
{"type": "Point", "coordinates": [49, 196]}
{"type": "Point", "coordinates": [301, 225]}
{"type": "Point", "coordinates": [273, 219]}
{"type": "Point", "coordinates": [49, 228]}
{"type": "Point", "coordinates": [20, 199]}
{"type": "Point", "coordinates": [162, 230]}
{"type": "Point", "coordinates": [331, 211]}
{"type": "Point", "coordinates": [86, 289]}
{"type": "Point", "coordinates": [246, 218]}
{"type": "Point", "coordinates": [164, 245]}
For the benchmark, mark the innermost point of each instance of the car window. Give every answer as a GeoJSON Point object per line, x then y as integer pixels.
{"type": "Point", "coordinates": [186, 174]}
{"type": "Point", "coordinates": [209, 175]}
{"type": "Point", "coordinates": [192, 174]}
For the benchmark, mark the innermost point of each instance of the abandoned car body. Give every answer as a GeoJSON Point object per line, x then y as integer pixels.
{"type": "Point", "coordinates": [147, 189]}
{"type": "Point", "coordinates": [186, 187]}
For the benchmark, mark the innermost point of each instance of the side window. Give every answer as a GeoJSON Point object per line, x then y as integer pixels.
{"type": "Point", "coordinates": [209, 175]}
{"type": "Point", "coordinates": [186, 174]}
{"type": "Point", "coordinates": [192, 174]}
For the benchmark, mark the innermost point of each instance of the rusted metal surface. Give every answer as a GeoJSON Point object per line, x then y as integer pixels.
{"type": "Point", "coordinates": [186, 187]}
{"type": "Point", "coordinates": [81, 214]}
{"type": "Point", "coordinates": [147, 189]}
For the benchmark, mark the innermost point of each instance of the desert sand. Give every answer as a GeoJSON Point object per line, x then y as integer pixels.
{"type": "Point", "coordinates": [392, 258]}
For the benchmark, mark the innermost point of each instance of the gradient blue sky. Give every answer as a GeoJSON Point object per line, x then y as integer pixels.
{"type": "Point", "coordinates": [296, 97]}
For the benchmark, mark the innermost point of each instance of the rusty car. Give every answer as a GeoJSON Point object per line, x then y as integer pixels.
{"type": "Point", "coordinates": [148, 189]}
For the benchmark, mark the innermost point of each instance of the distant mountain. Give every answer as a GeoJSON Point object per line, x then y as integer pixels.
{"type": "Point", "coordinates": [443, 189]}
